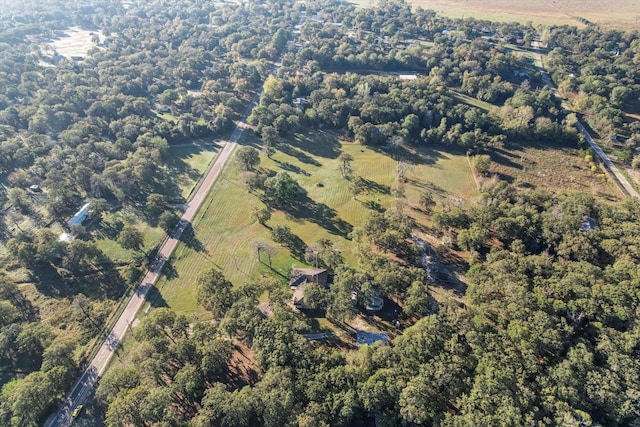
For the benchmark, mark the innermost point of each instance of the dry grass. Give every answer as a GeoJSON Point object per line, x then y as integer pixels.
{"type": "Point", "coordinates": [551, 168]}
{"type": "Point", "coordinates": [77, 43]}
{"type": "Point", "coordinates": [614, 14]}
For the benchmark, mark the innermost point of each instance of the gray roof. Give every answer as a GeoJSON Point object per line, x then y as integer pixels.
{"type": "Point", "coordinates": [300, 276]}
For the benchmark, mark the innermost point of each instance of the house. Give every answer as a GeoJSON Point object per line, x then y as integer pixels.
{"type": "Point", "coordinates": [370, 338]}
{"type": "Point", "coordinates": [374, 302]}
{"type": "Point", "coordinates": [588, 225]}
{"type": "Point", "coordinates": [80, 216]}
{"type": "Point", "coordinates": [299, 279]}
{"type": "Point", "coordinates": [301, 103]}
{"type": "Point", "coordinates": [408, 76]}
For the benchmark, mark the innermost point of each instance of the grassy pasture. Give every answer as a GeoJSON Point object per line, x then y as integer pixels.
{"type": "Point", "coordinates": [619, 13]}
{"type": "Point", "coordinates": [224, 232]}
{"type": "Point", "coordinates": [187, 163]}
{"type": "Point", "coordinates": [106, 234]}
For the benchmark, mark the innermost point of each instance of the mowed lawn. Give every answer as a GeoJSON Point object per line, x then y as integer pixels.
{"type": "Point", "coordinates": [224, 233]}
{"type": "Point", "coordinates": [613, 13]}
{"type": "Point", "coordinates": [189, 161]}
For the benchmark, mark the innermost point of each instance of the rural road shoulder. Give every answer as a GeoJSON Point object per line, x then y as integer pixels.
{"type": "Point", "coordinates": [87, 382]}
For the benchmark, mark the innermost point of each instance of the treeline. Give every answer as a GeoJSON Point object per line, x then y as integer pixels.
{"type": "Point", "coordinates": [374, 109]}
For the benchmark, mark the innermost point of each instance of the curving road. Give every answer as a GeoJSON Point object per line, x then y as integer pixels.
{"type": "Point", "coordinates": [606, 161]}
{"type": "Point", "coordinates": [87, 382]}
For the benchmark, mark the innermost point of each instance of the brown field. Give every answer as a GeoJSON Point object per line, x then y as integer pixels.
{"type": "Point", "coordinates": [550, 168]}
{"type": "Point", "coordinates": [624, 14]}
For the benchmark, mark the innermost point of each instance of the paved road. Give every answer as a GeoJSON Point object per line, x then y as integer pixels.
{"type": "Point", "coordinates": [87, 382]}
{"type": "Point", "coordinates": [596, 148]}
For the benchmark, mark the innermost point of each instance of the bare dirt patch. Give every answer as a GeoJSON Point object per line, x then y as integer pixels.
{"type": "Point", "coordinates": [617, 13]}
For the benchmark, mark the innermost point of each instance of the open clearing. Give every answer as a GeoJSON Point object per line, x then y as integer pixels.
{"type": "Point", "coordinates": [224, 231]}
{"type": "Point", "coordinates": [618, 13]}
{"type": "Point", "coordinates": [77, 42]}
{"type": "Point", "coordinates": [551, 168]}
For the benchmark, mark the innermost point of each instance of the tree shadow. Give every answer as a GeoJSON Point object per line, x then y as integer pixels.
{"type": "Point", "coordinates": [295, 245]}
{"type": "Point", "coordinates": [188, 237]}
{"type": "Point", "coordinates": [413, 154]}
{"type": "Point", "coordinates": [101, 281]}
{"type": "Point", "coordinates": [375, 187]}
{"type": "Point", "coordinates": [301, 156]}
{"type": "Point", "coordinates": [320, 214]}
{"type": "Point", "coordinates": [502, 157]}
{"type": "Point", "coordinates": [427, 186]}
{"type": "Point", "coordinates": [292, 168]}
{"type": "Point", "coordinates": [318, 143]}
{"type": "Point", "coordinates": [155, 298]}
{"type": "Point", "coordinates": [373, 205]}
{"type": "Point", "coordinates": [109, 230]}
{"type": "Point", "coordinates": [169, 270]}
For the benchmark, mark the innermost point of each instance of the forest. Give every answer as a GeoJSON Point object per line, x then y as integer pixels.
{"type": "Point", "coordinates": [541, 328]}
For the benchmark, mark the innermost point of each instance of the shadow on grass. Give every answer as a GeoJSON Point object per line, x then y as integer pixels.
{"type": "Point", "coordinates": [177, 166]}
{"type": "Point", "coordinates": [504, 158]}
{"type": "Point", "coordinates": [427, 186]}
{"type": "Point", "coordinates": [292, 168]}
{"type": "Point", "coordinates": [318, 143]}
{"type": "Point", "coordinates": [415, 155]}
{"type": "Point", "coordinates": [301, 156]}
{"type": "Point", "coordinates": [373, 205]}
{"type": "Point", "coordinates": [188, 237]}
{"type": "Point", "coordinates": [98, 279]}
{"type": "Point", "coordinates": [321, 214]}
{"type": "Point", "coordinates": [169, 270]}
{"type": "Point", "coordinates": [107, 230]}
{"type": "Point", "coordinates": [375, 187]}
{"type": "Point", "coordinates": [155, 298]}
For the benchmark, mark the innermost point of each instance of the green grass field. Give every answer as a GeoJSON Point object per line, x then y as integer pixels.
{"type": "Point", "coordinates": [623, 14]}
{"type": "Point", "coordinates": [106, 233]}
{"type": "Point", "coordinates": [189, 161]}
{"type": "Point", "coordinates": [224, 231]}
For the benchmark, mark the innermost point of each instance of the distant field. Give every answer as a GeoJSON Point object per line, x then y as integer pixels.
{"type": "Point", "coordinates": [76, 43]}
{"type": "Point", "coordinates": [551, 168]}
{"type": "Point", "coordinates": [624, 14]}
{"type": "Point", "coordinates": [224, 231]}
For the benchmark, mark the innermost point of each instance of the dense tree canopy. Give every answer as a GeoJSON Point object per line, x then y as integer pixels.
{"type": "Point", "coordinates": [546, 332]}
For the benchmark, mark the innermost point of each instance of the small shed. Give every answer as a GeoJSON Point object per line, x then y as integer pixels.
{"type": "Point", "coordinates": [369, 338]}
